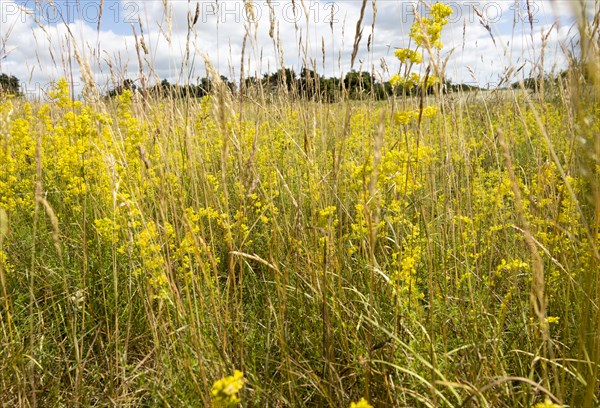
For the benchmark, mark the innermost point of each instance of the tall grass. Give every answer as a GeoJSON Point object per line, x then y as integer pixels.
{"type": "Point", "coordinates": [151, 245]}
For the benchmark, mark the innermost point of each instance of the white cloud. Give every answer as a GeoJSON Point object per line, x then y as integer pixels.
{"type": "Point", "coordinates": [39, 53]}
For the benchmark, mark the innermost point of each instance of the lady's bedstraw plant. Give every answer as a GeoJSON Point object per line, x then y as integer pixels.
{"type": "Point", "coordinates": [546, 404]}
{"type": "Point", "coordinates": [426, 33]}
{"type": "Point", "coordinates": [225, 391]}
{"type": "Point", "coordinates": [363, 403]}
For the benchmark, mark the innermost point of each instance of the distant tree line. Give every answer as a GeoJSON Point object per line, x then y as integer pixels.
{"type": "Point", "coordinates": [9, 84]}
{"type": "Point", "coordinates": [164, 88]}
{"type": "Point", "coordinates": [533, 83]}
{"type": "Point", "coordinates": [311, 85]}
{"type": "Point", "coordinates": [308, 84]}
{"type": "Point", "coordinates": [355, 85]}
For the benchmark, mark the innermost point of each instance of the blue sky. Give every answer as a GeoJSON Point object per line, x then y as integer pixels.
{"type": "Point", "coordinates": [38, 48]}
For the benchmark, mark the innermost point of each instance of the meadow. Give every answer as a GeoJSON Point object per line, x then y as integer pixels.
{"type": "Point", "coordinates": [268, 249]}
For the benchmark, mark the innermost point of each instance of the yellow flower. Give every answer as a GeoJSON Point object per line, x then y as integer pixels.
{"type": "Point", "coordinates": [225, 390]}
{"type": "Point", "coordinates": [60, 93]}
{"type": "Point", "coordinates": [396, 80]}
{"type": "Point", "coordinates": [405, 82]}
{"type": "Point", "coordinates": [404, 118]}
{"type": "Point", "coordinates": [440, 11]}
{"type": "Point", "coordinates": [405, 55]}
{"type": "Point", "coordinates": [430, 111]}
{"type": "Point", "coordinates": [427, 31]}
{"type": "Point", "coordinates": [546, 404]}
{"type": "Point", "coordinates": [361, 404]}
{"type": "Point", "coordinates": [431, 81]}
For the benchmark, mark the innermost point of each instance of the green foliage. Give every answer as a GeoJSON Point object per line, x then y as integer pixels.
{"type": "Point", "coordinates": [9, 84]}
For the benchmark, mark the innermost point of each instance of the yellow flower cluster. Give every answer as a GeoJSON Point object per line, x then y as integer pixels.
{"type": "Point", "coordinates": [225, 391]}
{"type": "Point", "coordinates": [363, 403]}
{"type": "Point", "coordinates": [430, 111]}
{"type": "Point", "coordinates": [404, 279]}
{"type": "Point", "coordinates": [512, 265]}
{"type": "Point", "coordinates": [440, 12]}
{"type": "Point", "coordinates": [546, 404]}
{"type": "Point", "coordinates": [406, 117]}
{"type": "Point", "coordinates": [61, 95]}
{"type": "Point", "coordinates": [408, 81]}
{"type": "Point", "coordinates": [327, 216]}
{"type": "Point", "coordinates": [108, 229]}
{"type": "Point", "coordinates": [427, 31]}
{"type": "Point", "coordinates": [413, 79]}
{"type": "Point", "coordinates": [152, 260]}
{"type": "Point", "coordinates": [406, 55]}
{"type": "Point", "coordinates": [4, 262]}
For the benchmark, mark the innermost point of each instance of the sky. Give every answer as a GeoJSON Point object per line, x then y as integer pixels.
{"type": "Point", "coordinates": [38, 38]}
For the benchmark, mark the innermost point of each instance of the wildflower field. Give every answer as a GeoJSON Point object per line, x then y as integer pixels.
{"type": "Point", "coordinates": [265, 249]}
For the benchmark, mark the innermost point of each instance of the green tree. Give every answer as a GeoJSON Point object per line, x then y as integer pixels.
{"type": "Point", "coordinates": [358, 84]}
{"type": "Point", "coordinates": [283, 78]}
{"type": "Point", "coordinates": [9, 84]}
